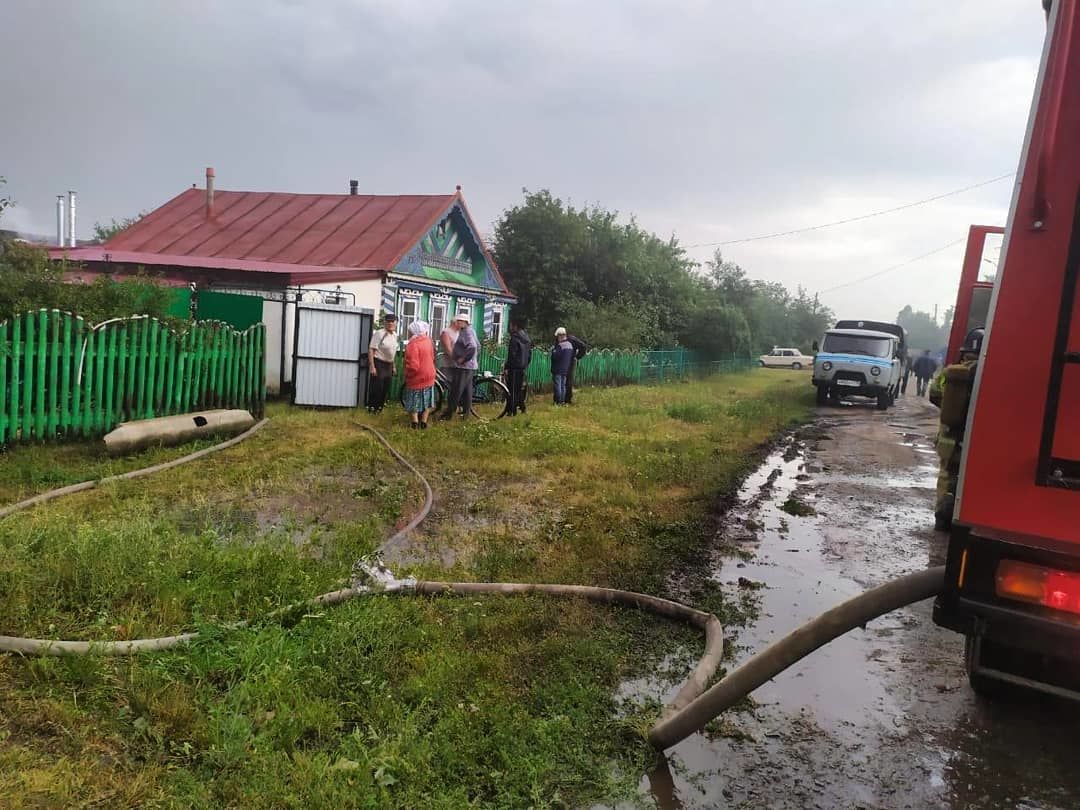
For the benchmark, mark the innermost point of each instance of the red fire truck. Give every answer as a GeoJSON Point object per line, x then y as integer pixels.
{"type": "Point", "coordinates": [1013, 567]}
{"type": "Point", "coordinates": [973, 297]}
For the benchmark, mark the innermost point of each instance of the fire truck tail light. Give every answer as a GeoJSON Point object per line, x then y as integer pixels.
{"type": "Point", "coordinates": [1059, 590]}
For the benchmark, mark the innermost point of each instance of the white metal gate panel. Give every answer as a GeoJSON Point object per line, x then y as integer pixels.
{"type": "Point", "coordinates": [330, 355]}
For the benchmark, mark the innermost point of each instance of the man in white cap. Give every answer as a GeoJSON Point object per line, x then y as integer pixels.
{"type": "Point", "coordinates": [562, 356]}
{"type": "Point", "coordinates": [464, 356]}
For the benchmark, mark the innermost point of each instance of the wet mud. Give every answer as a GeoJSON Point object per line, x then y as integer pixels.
{"type": "Point", "coordinates": [882, 717]}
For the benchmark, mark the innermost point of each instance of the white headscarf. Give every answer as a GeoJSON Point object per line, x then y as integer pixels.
{"type": "Point", "coordinates": [419, 328]}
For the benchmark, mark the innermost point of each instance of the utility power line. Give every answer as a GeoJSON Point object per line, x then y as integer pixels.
{"type": "Point", "coordinates": [894, 267]}
{"type": "Point", "coordinates": [859, 218]}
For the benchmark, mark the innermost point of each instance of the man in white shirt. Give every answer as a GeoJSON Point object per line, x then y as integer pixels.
{"type": "Point", "coordinates": [381, 355]}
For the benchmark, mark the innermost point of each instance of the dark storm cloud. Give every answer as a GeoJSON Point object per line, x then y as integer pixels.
{"type": "Point", "coordinates": [711, 120]}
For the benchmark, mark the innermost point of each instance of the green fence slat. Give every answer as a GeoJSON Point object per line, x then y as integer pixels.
{"type": "Point", "coordinates": [161, 398]}
{"type": "Point", "coordinates": [211, 366]}
{"type": "Point", "coordinates": [238, 369]}
{"type": "Point", "coordinates": [234, 389]}
{"type": "Point", "coordinates": [108, 414]}
{"type": "Point", "coordinates": [226, 368]}
{"type": "Point", "coordinates": [153, 373]}
{"type": "Point", "coordinates": [41, 368]}
{"type": "Point", "coordinates": [75, 347]}
{"type": "Point", "coordinates": [245, 369]}
{"type": "Point", "coordinates": [28, 376]}
{"type": "Point", "coordinates": [16, 378]}
{"type": "Point", "coordinates": [100, 356]}
{"type": "Point", "coordinates": [185, 371]}
{"type": "Point", "coordinates": [169, 366]}
{"type": "Point", "coordinates": [198, 373]}
{"type": "Point", "coordinates": [218, 375]}
{"type": "Point", "coordinates": [209, 339]}
{"type": "Point", "coordinates": [177, 353]}
{"type": "Point", "coordinates": [5, 354]}
{"type": "Point", "coordinates": [227, 371]}
{"type": "Point", "coordinates": [177, 399]}
{"type": "Point", "coordinates": [53, 382]}
{"type": "Point", "coordinates": [123, 376]}
{"type": "Point", "coordinates": [140, 354]}
{"type": "Point", "coordinates": [87, 381]}
{"type": "Point", "coordinates": [192, 371]}
{"type": "Point", "coordinates": [219, 370]}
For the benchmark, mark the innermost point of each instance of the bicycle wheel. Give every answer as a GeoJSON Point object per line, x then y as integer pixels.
{"type": "Point", "coordinates": [490, 397]}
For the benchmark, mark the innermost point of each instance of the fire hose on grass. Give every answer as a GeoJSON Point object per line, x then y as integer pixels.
{"type": "Point", "coordinates": [695, 704]}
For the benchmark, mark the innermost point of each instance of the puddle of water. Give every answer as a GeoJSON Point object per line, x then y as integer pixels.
{"type": "Point", "coordinates": [800, 584]}
{"type": "Point", "coordinates": [923, 477]}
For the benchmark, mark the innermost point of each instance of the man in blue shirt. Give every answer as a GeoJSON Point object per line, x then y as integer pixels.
{"type": "Point", "coordinates": [562, 357]}
{"type": "Point", "coordinates": [924, 369]}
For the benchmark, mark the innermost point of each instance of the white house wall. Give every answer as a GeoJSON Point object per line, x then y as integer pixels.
{"type": "Point", "coordinates": [271, 319]}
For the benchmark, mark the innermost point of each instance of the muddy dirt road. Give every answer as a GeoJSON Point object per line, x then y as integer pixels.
{"type": "Point", "coordinates": [883, 717]}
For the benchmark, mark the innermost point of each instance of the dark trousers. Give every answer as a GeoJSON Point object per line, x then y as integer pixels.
{"type": "Point", "coordinates": [903, 382]}
{"type": "Point", "coordinates": [924, 383]}
{"type": "Point", "coordinates": [570, 382]}
{"type": "Point", "coordinates": [380, 384]}
{"type": "Point", "coordinates": [515, 381]}
{"type": "Point", "coordinates": [460, 394]}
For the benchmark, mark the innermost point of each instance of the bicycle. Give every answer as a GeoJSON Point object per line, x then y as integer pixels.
{"type": "Point", "coordinates": [490, 394]}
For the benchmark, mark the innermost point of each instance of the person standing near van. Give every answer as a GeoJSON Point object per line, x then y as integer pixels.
{"type": "Point", "coordinates": [382, 352]}
{"type": "Point", "coordinates": [465, 354]}
{"type": "Point", "coordinates": [562, 358]}
{"type": "Point", "coordinates": [924, 369]}
{"type": "Point", "coordinates": [518, 356]}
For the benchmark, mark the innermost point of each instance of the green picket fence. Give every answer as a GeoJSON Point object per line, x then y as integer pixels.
{"type": "Point", "coordinates": [611, 367]}
{"type": "Point", "coordinates": [62, 377]}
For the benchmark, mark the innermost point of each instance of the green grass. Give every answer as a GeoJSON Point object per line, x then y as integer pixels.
{"type": "Point", "coordinates": [387, 701]}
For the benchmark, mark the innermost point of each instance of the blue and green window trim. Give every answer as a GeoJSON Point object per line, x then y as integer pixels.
{"type": "Point", "coordinates": [445, 273]}
{"type": "Point", "coordinates": [410, 301]}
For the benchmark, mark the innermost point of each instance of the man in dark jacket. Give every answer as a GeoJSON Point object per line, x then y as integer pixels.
{"type": "Point", "coordinates": [518, 356]}
{"type": "Point", "coordinates": [924, 368]}
{"type": "Point", "coordinates": [562, 358]}
{"type": "Point", "coordinates": [580, 349]}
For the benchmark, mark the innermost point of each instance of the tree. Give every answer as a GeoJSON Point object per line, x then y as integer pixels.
{"type": "Point", "coordinates": [105, 232]}
{"type": "Point", "coordinates": [923, 331]}
{"type": "Point", "coordinates": [617, 285]}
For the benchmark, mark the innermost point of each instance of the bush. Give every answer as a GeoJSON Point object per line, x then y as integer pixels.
{"type": "Point", "coordinates": [30, 281]}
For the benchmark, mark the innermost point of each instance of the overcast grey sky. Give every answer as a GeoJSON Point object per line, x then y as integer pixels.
{"type": "Point", "coordinates": [710, 120]}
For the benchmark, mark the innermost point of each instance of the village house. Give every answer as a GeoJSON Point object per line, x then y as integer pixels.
{"type": "Point", "coordinates": [419, 256]}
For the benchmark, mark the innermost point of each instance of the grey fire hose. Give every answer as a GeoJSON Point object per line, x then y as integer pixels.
{"type": "Point", "coordinates": [689, 711]}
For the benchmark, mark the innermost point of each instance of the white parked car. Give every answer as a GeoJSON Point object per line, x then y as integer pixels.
{"type": "Point", "coordinates": [786, 358]}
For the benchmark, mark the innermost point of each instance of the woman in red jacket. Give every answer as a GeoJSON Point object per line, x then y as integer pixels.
{"type": "Point", "coordinates": [419, 374]}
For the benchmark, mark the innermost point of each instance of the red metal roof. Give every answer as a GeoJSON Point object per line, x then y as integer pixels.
{"type": "Point", "coordinates": [312, 237]}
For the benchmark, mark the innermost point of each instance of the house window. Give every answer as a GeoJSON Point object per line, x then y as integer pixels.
{"type": "Point", "coordinates": [410, 311]}
{"type": "Point", "coordinates": [438, 318]}
{"type": "Point", "coordinates": [496, 325]}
